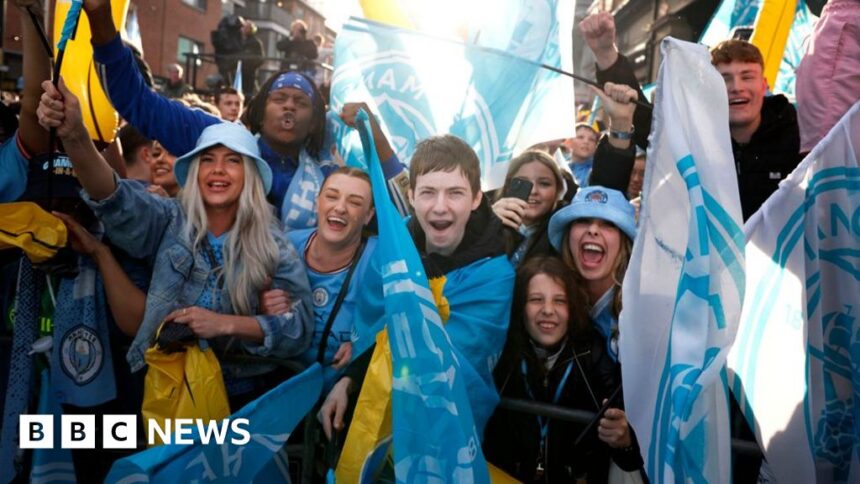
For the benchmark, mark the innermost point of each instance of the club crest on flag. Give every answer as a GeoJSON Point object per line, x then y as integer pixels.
{"type": "Point", "coordinates": [794, 366]}
{"type": "Point", "coordinates": [494, 94]}
{"type": "Point", "coordinates": [684, 286]}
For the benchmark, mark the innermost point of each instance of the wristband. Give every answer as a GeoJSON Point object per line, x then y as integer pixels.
{"type": "Point", "coordinates": [622, 135]}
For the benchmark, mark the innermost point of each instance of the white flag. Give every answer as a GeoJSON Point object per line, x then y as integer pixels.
{"type": "Point", "coordinates": [683, 290]}
{"type": "Point", "coordinates": [796, 362]}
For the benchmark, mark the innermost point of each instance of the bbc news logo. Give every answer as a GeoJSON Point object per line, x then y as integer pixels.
{"type": "Point", "coordinates": [120, 431]}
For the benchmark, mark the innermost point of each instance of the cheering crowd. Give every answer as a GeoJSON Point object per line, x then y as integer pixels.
{"type": "Point", "coordinates": [231, 223]}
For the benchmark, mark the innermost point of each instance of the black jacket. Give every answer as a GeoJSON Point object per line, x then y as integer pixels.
{"type": "Point", "coordinates": [622, 73]}
{"type": "Point", "coordinates": [512, 439]}
{"type": "Point", "coordinates": [301, 51]}
{"type": "Point", "coordinates": [771, 154]}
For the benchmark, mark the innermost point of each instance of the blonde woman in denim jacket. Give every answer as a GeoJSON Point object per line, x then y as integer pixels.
{"type": "Point", "coordinates": [216, 246]}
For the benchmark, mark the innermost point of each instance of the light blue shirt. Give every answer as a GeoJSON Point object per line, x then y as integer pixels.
{"type": "Point", "coordinates": [13, 170]}
{"type": "Point", "coordinates": [581, 171]}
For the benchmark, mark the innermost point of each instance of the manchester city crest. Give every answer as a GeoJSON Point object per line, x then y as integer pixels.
{"type": "Point", "coordinates": [320, 297]}
{"type": "Point", "coordinates": [81, 354]}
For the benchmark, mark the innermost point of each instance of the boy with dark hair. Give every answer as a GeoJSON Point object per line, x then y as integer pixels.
{"type": "Point", "coordinates": [460, 243]}
{"type": "Point", "coordinates": [138, 152]}
{"type": "Point", "coordinates": [229, 102]}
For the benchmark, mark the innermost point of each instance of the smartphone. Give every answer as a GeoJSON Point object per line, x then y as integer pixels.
{"type": "Point", "coordinates": [519, 188]}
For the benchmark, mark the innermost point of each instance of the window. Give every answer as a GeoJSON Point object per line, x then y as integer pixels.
{"type": "Point", "coordinates": [201, 4]}
{"type": "Point", "coordinates": [186, 46]}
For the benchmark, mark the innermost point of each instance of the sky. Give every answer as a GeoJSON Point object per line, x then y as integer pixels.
{"type": "Point", "coordinates": [336, 11]}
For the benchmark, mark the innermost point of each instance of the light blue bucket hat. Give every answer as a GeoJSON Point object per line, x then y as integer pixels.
{"type": "Point", "coordinates": [230, 135]}
{"type": "Point", "coordinates": [594, 202]}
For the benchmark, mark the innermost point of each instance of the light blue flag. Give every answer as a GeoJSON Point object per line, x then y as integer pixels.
{"type": "Point", "coordinates": [685, 283]}
{"type": "Point", "coordinates": [729, 15]}
{"type": "Point", "coordinates": [271, 419]}
{"type": "Point", "coordinates": [434, 433]}
{"type": "Point", "coordinates": [499, 101]}
{"type": "Point", "coordinates": [796, 361]}
{"type": "Point", "coordinates": [237, 79]}
{"type": "Point", "coordinates": [55, 464]}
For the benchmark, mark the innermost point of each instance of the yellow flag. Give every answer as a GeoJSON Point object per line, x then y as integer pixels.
{"type": "Point", "coordinates": [79, 71]}
{"type": "Point", "coordinates": [772, 26]}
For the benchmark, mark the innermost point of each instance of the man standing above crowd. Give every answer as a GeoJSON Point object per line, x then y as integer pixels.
{"type": "Point", "coordinates": [298, 48]}
{"type": "Point", "coordinates": [765, 136]}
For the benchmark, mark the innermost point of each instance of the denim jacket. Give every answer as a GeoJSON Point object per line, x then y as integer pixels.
{"type": "Point", "coordinates": [145, 225]}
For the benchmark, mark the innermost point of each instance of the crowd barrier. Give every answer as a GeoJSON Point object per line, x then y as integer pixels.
{"type": "Point", "coordinates": [302, 455]}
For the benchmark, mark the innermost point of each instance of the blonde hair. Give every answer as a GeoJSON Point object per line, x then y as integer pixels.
{"type": "Point", "coordinates": [251, 253]}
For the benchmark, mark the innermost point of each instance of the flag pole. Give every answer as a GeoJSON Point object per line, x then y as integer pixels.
{"type": "Point", "coordinates": [638, 102]}
{"type": "Point", "coordinates": [70, 26]}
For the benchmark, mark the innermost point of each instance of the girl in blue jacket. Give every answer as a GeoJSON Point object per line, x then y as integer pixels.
{"type": "Point", "coordinates": [216, 246]}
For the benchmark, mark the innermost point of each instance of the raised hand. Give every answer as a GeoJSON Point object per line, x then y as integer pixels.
{"type": "Point", "coordinates": [598, 31]}
{"type": "Point", "coordinates": [619, 104]}
{"type": "Point", "coordinates": [60, 109]}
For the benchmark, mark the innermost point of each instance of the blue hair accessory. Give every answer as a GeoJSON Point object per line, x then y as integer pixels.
{"type": "Point", "coordinates": [294, 80]}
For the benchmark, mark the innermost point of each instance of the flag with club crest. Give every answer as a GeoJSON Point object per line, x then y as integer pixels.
{"type": "Point", "coordinates": [684, 287]}
{"type": "Point", "coordinates": [487, 86]}
{"type": "Point", "coordinates": [271, 419]}
{"type": "Point", "coordinates": [795, 365]}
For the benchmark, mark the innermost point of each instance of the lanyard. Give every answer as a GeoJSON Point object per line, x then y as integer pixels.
{"type": "Point", "coordinates": [544, 424]}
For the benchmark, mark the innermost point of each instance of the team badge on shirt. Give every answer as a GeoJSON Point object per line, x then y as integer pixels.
{"type": "Point", "coordinates": [82, 354]}
{"type": "Point", "coordinates": [320, 297]}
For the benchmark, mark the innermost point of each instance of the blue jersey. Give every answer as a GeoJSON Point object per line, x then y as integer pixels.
{"type": "Point", "coordinates": [325, 287]}
{"type": "Point", "coordinates": [13, 170]}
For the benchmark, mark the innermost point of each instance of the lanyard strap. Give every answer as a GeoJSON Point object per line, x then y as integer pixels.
{"type": "Point", "coordinates": [338, 302]}
{"type": "Point", "coordinates": [210, 254]}
{"type": "Point", "coordinates": [544, 424]}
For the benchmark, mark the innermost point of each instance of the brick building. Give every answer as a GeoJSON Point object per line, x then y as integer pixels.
{"type": "Point", "coordinates": [170, 28]}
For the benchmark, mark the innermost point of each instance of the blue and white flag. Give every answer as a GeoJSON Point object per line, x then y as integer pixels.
{"type": "Point", "coordinates": [499, 101]}
{"type": "Point", "coordinates": [237, 78]}
{"type": "Point", "coordinates": [795, 364]}
{"type": "Point", "coordinates": [434, 433]}
{"type": "Point", "coordinates": [684, 286]}
{"type": "Point", "coordinates": [271, 419]}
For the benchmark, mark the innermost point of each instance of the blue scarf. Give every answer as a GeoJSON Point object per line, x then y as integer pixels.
{"type": "Point", "coordinates": [606, 323]}
{"type": "Point", "coordinates": [31, 283]}
{"type": "Point", "coordinates": [82, 370]}
{"type": "Point", "coordinates": [298, 209]}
